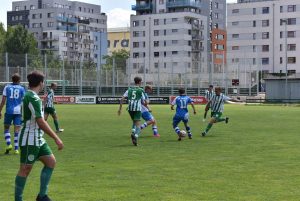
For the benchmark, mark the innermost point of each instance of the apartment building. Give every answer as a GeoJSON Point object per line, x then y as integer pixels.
{"type": "Point", "coordinates": [74, 30]}
{"type": "Point", "coordinates": [264, 35]}
{"type": "Point", "coordinates": [174, 36]}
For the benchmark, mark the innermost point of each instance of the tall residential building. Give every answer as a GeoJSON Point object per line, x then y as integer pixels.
{"type": "Point", "coordinates": [74, 30]}
{"type": "Point", "coordinates": [174, 36]}
{"type": "Point", "coordinates": [264, 35]}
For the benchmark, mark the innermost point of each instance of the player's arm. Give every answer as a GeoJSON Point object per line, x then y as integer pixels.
{"type": "Point", "coordinates": [121, 102]}
{"type": "Point", "coordinates": [3, 101]}
{"type": "Point", "coordinates": [193, 106]}
{"type": "Point", "coordinates": [173, 103]}
{"type": "Point", "coordinates": [46, 128]}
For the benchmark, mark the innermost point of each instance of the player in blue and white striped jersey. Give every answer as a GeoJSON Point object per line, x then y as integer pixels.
{"type": "Point", "coordinates": [13, 95]}
{"type": "Point", "coordinates": [216, 104]}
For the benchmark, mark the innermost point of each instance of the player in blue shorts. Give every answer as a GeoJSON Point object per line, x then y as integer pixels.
{"type": "Point", "coordinates": [182, 113]}
{"type": "Point", "coordinates": [146, 113]}
{"type": "Point", "coordinates": [12, 95]}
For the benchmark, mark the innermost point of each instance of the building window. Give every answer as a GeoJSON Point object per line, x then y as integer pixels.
{"type": "Point", "coordinates": [254, 11]}
{"type": "Point", "coordinates": [265, 10]}
{"type": "Point", "coordinates": [174, 52]}
{"type": "Point", "coordinates": [254, 36]}
{"type": "Point", "coordinates": [235, 48]}
{"type": "Point", "coordinates": [265, 48]}
{"type": "Point", "coordinates": [156, 21]}
{"type": "Point", "coordinates": [235, 35]}
{"type": "Point", "coordinates": [264, 61]}
{"type": "Point", "coordinates": [217, 15]}
{"type": "Point", "coordinates": [174, 19]}
{"type": "Point", "coordinates": [265, 35]}
{"type": "Point", "coordinates": [291, 21]}
{"type": "Point", "coordinates": [235, 11]}
{"type": "Point", "coordinates": [253, 61]}
{"type": "Point", "coordinates": [156, 54]}
{"type": "Point", "coordinates": [280, 47]}
{"type": "Point", "coordinates": [161, 1]}
{"type": "Point", "coordinates": [174, 42]}
{"type": "Point", "coordinates": [254, 48]}
{"type": "Point", "coordinates": [156, 32]}
{"type": "Point", "coordinates": [50, 24]}
{"type": "Point", "coordinates": [135, 23]}
{"type": "Point", "coordinates": [174, 30]}
{"type": "Point", "coordinates": [291, 60]}
{"type": "Point", "coordinates": [50, 15]}
{"type": "Point", "coordinates": [216, 5]}
{"type": "Point", "coordinates": [135, 44]}
{"type": "Point", "coordinates": [281, 9]}
{"type": "Point", "coordinates": [33, 16]}
{"type": "Point", "coordinates": [291, 34]}
{"type": "Point", "coordinates": [136, 55]}
{"type": "Point", "coordinates": [235, 23]}
{"type": "Point", "coordinates": [254, 24]}
{"type": "Point", "coordinates": [291, 8]}
{"type": "Point", "coordinates": [156, 43]}
{"type": "Point", "coordinates": [291, 47]}
{"type": "Point", "coordinates": [17, 8]}
{"type": "Point", "coordinates": [280, 60]}
{"type": "Point", "coordinates": [265, 23]}
{"type": "Point", "coordinates": [161, 10]}
{"type": "Point", "coordinates": [32, 7]}
{"type": "Point", "coordinates": [155, 65]}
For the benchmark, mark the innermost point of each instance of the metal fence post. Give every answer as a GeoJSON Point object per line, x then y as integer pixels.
{"type": "Point", "coordinates": [45, 69]}
{"type": "Point", "coordinates": [113, 78]}
{"type": "Point", "coordinates": [81, 63]}
{"type": "Point", "coordinates": [6, 67]}
{"type": "Point", "coordinates": [63, 77]}
{"type": "Point", "coordinates": [172, 77]}
{"type": "Point", "coordinates": [158, 77]}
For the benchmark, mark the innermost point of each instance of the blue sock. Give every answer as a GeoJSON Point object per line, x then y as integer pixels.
{"type": "Point", "coordinates": [7, 137]}
{"type": "Point", "coordinates": [155, 131]}
{"type": "Point", "coordinates": [188, 129]}
{"type": "Point", "coordinates": [144, 125]}
{"type": "Point", "coordinates": [177, 130]}
{"type": "Point", "coordinates": [16, 141]}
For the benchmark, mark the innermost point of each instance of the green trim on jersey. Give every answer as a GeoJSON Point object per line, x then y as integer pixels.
{"type": "Point", "coordinates": [50, 98]}
{"type": "Point", "coordinates": [135, 96]}
{"type": "Point", "coordinates": [31, 134]}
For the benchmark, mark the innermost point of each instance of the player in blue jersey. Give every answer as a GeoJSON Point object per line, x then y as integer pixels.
{"type": "Point", "coordinates": [146, 113]}
{"type": "Point", "coordinates": [12, 95]}
{"type": "Point", "coordinates": [182, 101]}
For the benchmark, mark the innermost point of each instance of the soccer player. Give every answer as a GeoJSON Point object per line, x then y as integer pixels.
{"type": "Point", "coordinates": [146, 113]}
{"type": "Point", "coordinates": [32, 144]}
{"type": "Point", "coordinates": [12, 95]}
{"type": "Point", "coordinates": [208, 95]}
{"type": "Point", "coordinates": [49, 107]}
{"type": "Point", "coordinates": [136, 98]}
{"type": "Point", "coordinates": [182, 113]}
{"type": "Point", "coordinates": [216, 104]}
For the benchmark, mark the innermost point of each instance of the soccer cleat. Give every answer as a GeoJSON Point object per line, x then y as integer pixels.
{"type": "Point", "coordinates": [190, 136]}
{"type": "Point", "coordinates": [8, 149]}
{"type": "Point", "coordinates": [203, 134]}
{"type": "Point", "coordinates": [44, 198]}
{"type": "Point", "coordinates": [227, 120]}
{"type": "Point", "coordinates": [60, 130]}
{"type": "Point", "coordinates": [134, 139]}
{"type": "Point", "coordinates": [156, 135]}
{"type": "Point", "coordinates": [17, 152]}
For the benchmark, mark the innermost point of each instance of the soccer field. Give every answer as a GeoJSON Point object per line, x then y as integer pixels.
{"type": "Point", "coordinates": [254, 157]}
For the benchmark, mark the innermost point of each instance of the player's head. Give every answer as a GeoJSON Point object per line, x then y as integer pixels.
{"type": "Point", "coordinates": [137, 80]}
{"type": "Point", "coordinates": [36, 79]}
{"type": "Point", "coordinates": [53, 85]}
{"type": "Point", "coordinates": [218, 90]}
{"type": "Point", "coordinates": [210, 87]}
{"type": "Point", "coordinates": [148, 89]}
{"type": "Point", "coordinates": [181, 91]}
{"type": "Point", "coordinates": [16, 78]}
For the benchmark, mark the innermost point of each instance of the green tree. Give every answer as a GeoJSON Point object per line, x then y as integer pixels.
{"type": "Point", "coordinates": [120, 57]}
{"type": "Point", "coordinates": [2, 37]}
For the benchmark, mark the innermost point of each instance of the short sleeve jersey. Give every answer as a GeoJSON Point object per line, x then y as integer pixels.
{"type": "Point", "coordinates": [14, 94]}
{"type": "Point", "coordinates": [209, 95]}
{"type": "Point", "coordinates": [181, 103]}
{"type": "Point", "coordinates": [135, 97]}
{"type": "Point", "coordinates": [50, 98]}
{"type": "Point", "coordinates": [144, 108]}
{"type": "Point", "coordinates": [31, 134]}
{"type": "Point", "coordinates": [217, 102]}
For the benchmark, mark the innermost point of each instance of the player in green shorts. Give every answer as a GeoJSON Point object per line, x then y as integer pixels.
{"type": "Point", "coordinates": [49, 107]}
{"type": "Point", "coordinates": [136, 98]}
{"type": "Point", "coordinates": [33, 146]}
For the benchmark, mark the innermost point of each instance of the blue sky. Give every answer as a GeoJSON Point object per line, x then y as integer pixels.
{"type": "Point", "coordinates": [118, 11]}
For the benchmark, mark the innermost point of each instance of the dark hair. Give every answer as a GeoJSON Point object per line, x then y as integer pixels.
{"type": "Point", "coordinates": [53, 84]}
{"type": "Point", "coordinates": [35, 78]}
{"type": "Point", "coordinates": [148, 87]}
{"type": "Point", "coordinates": [181, 91]}
{"type": "Point", "coordinates": [211, 86]}
{"type": "Point", "coordinates": [16, 78]}
{"type": "Point", "coordinates": [137, 80]}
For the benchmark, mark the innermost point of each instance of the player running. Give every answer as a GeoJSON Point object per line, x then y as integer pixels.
{"type": "Point", "coordinates": [12, 95]}
{"type": "Point", "coordinates": [182, 113]}
{"type": "Point", "coordinates": [146, 113]}
{"type": "Point", "coordinates": [49, 107]}
{"type": "Point", "coordinates": [216, 104]}
{"type": "Point", "coordinates": [208, 95]}
{"type": "Point", "coordinates": [136, 98]}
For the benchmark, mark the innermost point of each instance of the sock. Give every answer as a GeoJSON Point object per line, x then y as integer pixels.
{"type": "Point", "coordinates": [177, 130]}
{"type": "Point", "coordinates": [154, 129]}
{"type": "Point", "coordinates": [138, 131]}
{"type": "Point", "coordinates": [133, 129]}
{"type": "Point", "coordinates": [7, 137]}
{"type": "Point", "coordinates": [208, 127]}
{"type": "Point", "coordinates": [144, 125]}
{"type": "Point", "coordinates": [56, 125]}
{"type": "Point", "coordinates": [19, 187]}
{"type": "Point", "coordinates": [16, 141]}
{"type": "Point", "coordinates": [221, 119]}
{"type": "Point", "coordinates": [188, 129]}
{"type": "Point", "coordinates": [45, 179]}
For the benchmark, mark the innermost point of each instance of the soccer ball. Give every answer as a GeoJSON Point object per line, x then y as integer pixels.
{"type": "Point", "coordinates": [183, 133]}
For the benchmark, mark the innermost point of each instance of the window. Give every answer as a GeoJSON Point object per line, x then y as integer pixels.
{"type": "Point", "coordinates": [174, 52]}
{"type": "Point", "coordinates": [281, 9]}
{"type": "Point", "coordinates": [254, 36]}
{"type": "Point", "coordinates": [253, 61]}
{"type": "Point", "coordinates": [174, 30]}
{"type": "Point", "coordinates": [254, 11]}
{"type": "Point", "coordinates": [32, 7]}
{"type": "Point", "coordinates": [136, 55]}
{"type": "Point", "coordinates": [156, 32]}
{"type": "Point", "coordinates": [281, 34]}
{"type": "Point", "coordinates": [291, 47]}
{"type": "Point", "coordinates": [280, 47]}
{"type": "Point", "coordinates": [156, 54]}
{"type": "Point", "coordinates": [174, 19]}
{"type": "Point", "coordinates": [155, 65]}
{"type": "Point", "coordinates": [265, 10]}
{"type": "Point", "coordinates": [254, 24]}
{"type": "Point", "coordinates": [254, 48]}
{"type": "Point", "coordinates": [216, 5]}
{"type": "Point", "coordinates": [265, 48]}
{"type": "Point", "coordinates": [291, 21]}
{"type": "Point", "coordinates": [161, 10]}
{"type": "Point", "coordinates": [291, 60]}
{"type": "Point", "coordinates": [79, 8]}
{"type": "Point", "coordinates": [161, 1]}
{"type": "Point", "coordinates": [235, 48]}
{"type": "Point", "coordinates": [33, 16]}
{"type": "Point", "coordinates": [265, 23]}
{"type": "Point", "coordinates": [156, 21]}
{"type": "Point", "coordinates": [50, 15]}
{"type": "Point", "coordinates": [265, 35]}
{"type": "Point", "coordinates": [235, 11]}
{"type": "Point", "coordinates": [264, 61]}
{"type": "Point", "coordinates": [235, 35]}
{"type": "Point", "coordinates": [291, 34]}
{"type": "Point", "coordinates": [217, 15]}
{"type": "Point", "coordinates": [280, 60]}
{"type": "Point", "coordinates": [17, 8]}
{"type": "Point", "coordinates": [291, 8]}
{"type": "Point", "coordinates": [136, 44]}
{"type": "Point", "coordinates": [216, 25]}
{"type": "Point", "coordinates": [135, 23]}
{"type": "Point", "coordinates": [20, 17]}
{"type": "Point", "coordinates": [235, 23]}
{"type": "Point", "coordinates": [135, 34]}
{"type": "Point", "coordinates": [174, 42]}
{"type": "Point", "coordinates": [50, 24]}
{"type": "Point", "coordinates": [156, 43]}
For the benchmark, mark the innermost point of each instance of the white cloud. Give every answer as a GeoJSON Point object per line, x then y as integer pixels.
{"type": "Point", "coordinates": [119, 17]}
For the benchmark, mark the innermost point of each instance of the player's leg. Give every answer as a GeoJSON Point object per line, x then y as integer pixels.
{"type": "Point", "coordinates": [154, 128]}
{"type": "Point", "coordinates": [17, 128]}
{"type": "Point", "coordinates": [188, 129]}
{"type": "Point", "coordinates": [46, 114]}
{"type": "Point", "coordinates": [48, 159]}
{"type": "Point", "coordinates": [55, 120]}
{"type": "Point", "coordinates": [209, 125]}
{"type": "Point", "coordinates": [176, 121]}
{"type": "Point", "coordinates": [8, 118]}
{"type": "Point", "coordinates": [145, 117]}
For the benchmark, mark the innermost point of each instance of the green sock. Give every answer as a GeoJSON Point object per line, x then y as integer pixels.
{"type": "Point", "coordinates": [19, 187]}
{"type": "Point", "coordinates": [56, 125]}
{"type": "Point", "coordinates": [221, 119]}
{"type": "Point", "coordinates": [45, 179]}
{"type": "Point", "coordinates": [208, 127]}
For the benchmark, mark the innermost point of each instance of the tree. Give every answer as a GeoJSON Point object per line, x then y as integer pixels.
{"type": "Point", "coordinates": [2, 37]}
{"type": "Point", "coordinates": [120, 58]}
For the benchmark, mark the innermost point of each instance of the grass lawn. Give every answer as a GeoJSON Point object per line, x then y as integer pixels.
{"type": "Point", "coordinates": [254, 157]}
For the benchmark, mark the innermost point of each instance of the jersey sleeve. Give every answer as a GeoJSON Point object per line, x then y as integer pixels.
{"type": "Point", "coordinates": [143, 97]}
{"type": "Point", "coordinates": [174, 101]}
{"type": "Point", "coordinates": [4, 91]}
{"type": "Point", "coordinates": [35, 106]}
{"type": "Point", "coordinates": [190, 100]}
{"type": "Point", "coordinates": [226, 98]}
{"type": "Point", "coordinates": [125, 94]}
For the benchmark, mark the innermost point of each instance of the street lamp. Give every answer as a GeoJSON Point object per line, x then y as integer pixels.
{"type": "Point", "coordinates": [285, 21]}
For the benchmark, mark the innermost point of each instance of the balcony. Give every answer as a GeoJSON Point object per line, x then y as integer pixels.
{"type": "Point", "coordinates": [142, 7]}
{"type": "Point", "coordinates": [183, 3]}
{"type": "Point", "coordinates": [198, 49]}
{"type": "Point", "coordinates": [198, 37]}
{"type": "Point", "coordinates": [50, 48]}
{"type": "Point", "coordinates": [45, 39]}
{"type": "Point", "coordinates": [62, 18]}
{"type": "Point", "coordinates": [73, 20]}
{"type": "Point", "coordinates": [62, 28]}
{"type": "Point", "coordinates": [72, 28]}
{"type": "Point", "coordinates": [87, 21]}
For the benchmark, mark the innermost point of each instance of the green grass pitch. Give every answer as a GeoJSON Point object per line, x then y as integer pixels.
{"type": "Point", "coordinates": [254, 157]}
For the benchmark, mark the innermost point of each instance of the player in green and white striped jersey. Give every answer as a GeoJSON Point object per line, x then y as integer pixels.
{"type": "Point", "coordinates": [33, 146]}
{"type": "Point", "coordinates": [208, 95]}
{"type": "Point", "coordinates": [136, 98]}
{"type": "Point", "coordinates": [49, 107]}
{"type": "Point", "coordinates": [216, 105]}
